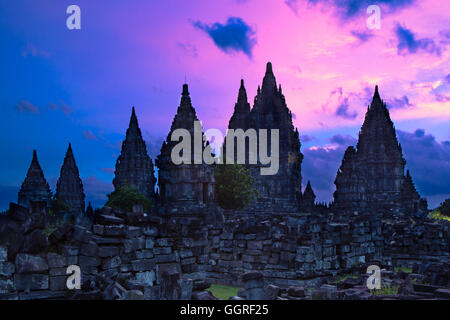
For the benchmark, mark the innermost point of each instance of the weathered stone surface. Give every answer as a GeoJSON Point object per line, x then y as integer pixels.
{"type": "Point", "coordinates": [31, 281]}
{"type": "Point", "coordinates": [3, 254]}
{"type": "Point", "coordinates": [107, 251]}
{"type": "Point", "coordinates": [30, 263]}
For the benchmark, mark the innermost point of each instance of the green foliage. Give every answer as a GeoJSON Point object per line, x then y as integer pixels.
{"type": "Point", "coordinates": [404, 269]}
{"type": "Point", "coordinates": [223, 292]}
{"type": "Point", "coordinates": [388, 290]}
{"type": "Point", "coordinates": [438, 216]}
{"type": "Point", "coordinates": [49, 229]}
{"type": "Point", "coordinates": [58, 205]}
{"type": "Point", "coordinates": [343, 277]}
{"type": "Point", "coordinates": [234, 186]}
{"type": "Point", "coordinates": [126, 197]}
{"type": "Point", "coordinates": [444, 208]}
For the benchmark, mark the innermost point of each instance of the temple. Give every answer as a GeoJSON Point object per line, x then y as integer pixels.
{"type": "Point", "coordinates": [69, 187]}
{"type": "Point", "coordinates": [372, 175]}
{"type": "Point", "coordinates": [35, 191]}
{"type": "Point", "coordinates": [134, 167]}
{"type": "Point", "coordinates": [185, 183]}
{"type": "Point", "coordinates": [271, 112]}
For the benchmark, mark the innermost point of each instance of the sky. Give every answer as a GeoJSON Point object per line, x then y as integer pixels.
{"type": "Point", "coordinates": [59, 85]}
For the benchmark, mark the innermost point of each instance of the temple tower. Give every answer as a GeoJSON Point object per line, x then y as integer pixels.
{"type": "Point", "coordinates": [372, 178]}
{"type": "Point", "coordinates": [35, 189]}
{"type": "Point", "coordinates": [308, 198]}
{"type": "Point", "coordinates": [191, 182]}
{"type": "Point", "coordinates": [283, 189]}
{"type": "Point", "coordinates": [69, 187]}
{"type": "Point", "coordinates": [134, 167]}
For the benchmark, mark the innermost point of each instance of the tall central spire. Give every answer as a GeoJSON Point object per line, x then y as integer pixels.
{"type": "Point", "coordinates": [269, 82]}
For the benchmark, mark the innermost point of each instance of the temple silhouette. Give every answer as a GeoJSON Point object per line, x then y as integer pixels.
{"type": "Point", "coordinates": [371, 177]}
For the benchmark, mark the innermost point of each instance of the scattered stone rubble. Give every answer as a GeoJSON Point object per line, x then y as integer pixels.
{"type": "Point", "coordinates": [176, 255]}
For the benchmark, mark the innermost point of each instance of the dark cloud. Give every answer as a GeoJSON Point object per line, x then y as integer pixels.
{"type": "Point", "coordinates": [399, 103]}
{"type": "Point", "coordinates": [188, 49]}
{"type": "Point", "coordinates": [428, 161]}
{"type": "Point", "coordinates": [409, 44]}
{"type": "Point", "coordinates": [352, 8]}
{"type": "Point", "coordinates": [96, 190]}
{"type": "Point", "coordinates": [341, 140]}
{"type": "Point", "coordinates": [320, 166]}
{"type": "Point", "coordinates": [62, 106]}
{"type": "Point", "coordinates": [343, 110]}
{"type": "Point", "coordinates": [304, 138]}
{"type": "Point", "coordinates": [24, 106]}
{"type": "Point", "coordinates": [233, 36]}
{"type": "Point", "coordinates": [88, 134]}
{"type": "Point", "coordinates": [362, 36]}
{"type": "Point", "coordinates": [108, 170]}
{"type": "Point", "coordinates": [447, 78]}
{"type": "Point", "coordinates": [153, 144]}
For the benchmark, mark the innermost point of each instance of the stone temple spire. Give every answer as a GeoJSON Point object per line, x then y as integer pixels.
{"type": "Point", "coordinates": [309, 198]}
{"type": "Point", "coordinates": [34, 188]}
{"type": "Point", "coordinates": [371, 178]}
{"type": "Point", "coordinates": [185, 182]}
{"type": "Point", "coordinates": [239, 119]}
{"type": "Point", "coordinates": [134, 167]}
{"type": "Point", "coordinates": [269, 82]}
{"type": "Point", "coordinates": [69, 187]}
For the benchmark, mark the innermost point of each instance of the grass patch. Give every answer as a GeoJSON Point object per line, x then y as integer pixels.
{"type": "Point", "coordinates": [386, 291]}
{"type": "Point", "coordinates": [343, 277]}
{"type": "Point", "coordinates": [223, 292]}
{"type": "Point", "coordinates": [438, 216]}
{"type": "Point", "coordinates": [404, 269]}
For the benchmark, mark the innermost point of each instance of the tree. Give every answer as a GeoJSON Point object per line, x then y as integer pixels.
{"type": "Point", "coordinates": [126, 197]}
{"type": "Point", "coordinates": [58, 205]}
{"type": "Point", "coordinates": [233, 186]}
{"type": "Point", "coordinates": [444, 208]}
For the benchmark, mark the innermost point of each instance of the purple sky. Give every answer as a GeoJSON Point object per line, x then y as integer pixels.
{"type": "Point", "coordinates": [59, 85]}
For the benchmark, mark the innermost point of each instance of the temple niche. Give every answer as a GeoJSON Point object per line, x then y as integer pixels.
{"type": "Point", "coordinates": [372, 176]}
{"type": "Point", "coordinates": [134, 167]}
{"type": "Point", "coordinates": [184, 183]}
{"type": "Point", "coordinates": [35, 192]}
{"type": "Point", "coordinates": [69, 187]}
{"type": "Point", "coordinates": [281, 191]}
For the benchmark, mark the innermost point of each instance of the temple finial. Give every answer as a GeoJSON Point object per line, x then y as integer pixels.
{"type": "Point", "coordinates": [185, 90]}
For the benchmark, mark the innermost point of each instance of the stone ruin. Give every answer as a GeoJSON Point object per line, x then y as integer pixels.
{"type": "Point", "coordinates": [372, 176]}
{"type": "Point", "coordinates": [134, 167]}
{"type": "Point", "coordinates": [137, 255]}
{"type": "Point", "coordinates": [69, 187]}
{"type": "Point", "coordinates": [288, 247]}
{"type": "Point", "coordinates": [35, 189]}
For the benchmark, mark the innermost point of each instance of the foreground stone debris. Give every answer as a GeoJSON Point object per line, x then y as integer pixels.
{"type": "Point", "coordinates": [177, 256]}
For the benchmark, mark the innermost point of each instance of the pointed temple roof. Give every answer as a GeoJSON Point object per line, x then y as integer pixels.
{"type": "Point", "coordinates": [239, 119]}
{"type": "Point", "coordinates": [34, 187]}
{"type": "Point", "coordinates": [134, 167]}
{"type": "Point", "coordinates": [371, 177]}
{"type": "Point", "coordinates": [269, 82]}
{"type": "Point", "coordinates": [69, 187]}
{"type": "Point", "coordinates": [309, 193]}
